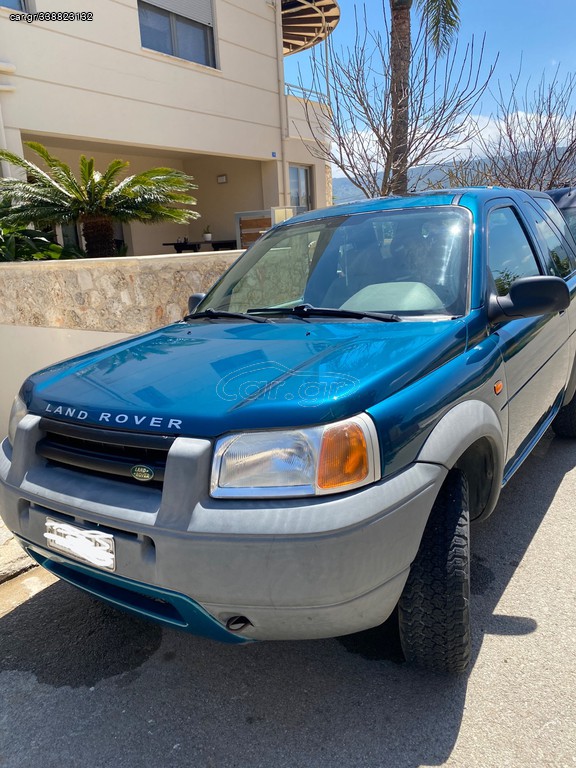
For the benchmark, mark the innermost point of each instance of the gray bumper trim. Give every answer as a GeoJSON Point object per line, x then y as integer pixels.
{"type": "Point", "coordinates": [296, 567]}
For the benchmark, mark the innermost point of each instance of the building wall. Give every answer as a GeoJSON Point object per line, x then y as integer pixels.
{"type": "Point", "coordinates": [300, 149]}
{"type": "Point", "coordinates": [94, 80]}
{"type": "Point", "coordinates": [90, 87]}
{"type": "Point", "coordinates": [218, 203]}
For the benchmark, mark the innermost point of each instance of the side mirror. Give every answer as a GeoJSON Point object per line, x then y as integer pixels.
{"type": "Point", "coordinates": [194, 300]}
{"type": "Point", "coordinates": [529, 297]}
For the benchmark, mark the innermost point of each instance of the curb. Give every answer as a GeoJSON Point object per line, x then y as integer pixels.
{"type": "Point", "coordinates": [13, 560]}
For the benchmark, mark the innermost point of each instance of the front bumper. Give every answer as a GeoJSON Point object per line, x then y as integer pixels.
{"type": "Point", "coordinates": [302, 568]}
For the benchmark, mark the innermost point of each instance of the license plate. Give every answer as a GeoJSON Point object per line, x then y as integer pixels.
{"type": "Point", "coordinates": [93, 547]}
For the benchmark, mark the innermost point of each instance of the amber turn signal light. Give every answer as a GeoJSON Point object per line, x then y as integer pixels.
{"type": "Point", "coordinates": [343, 456]}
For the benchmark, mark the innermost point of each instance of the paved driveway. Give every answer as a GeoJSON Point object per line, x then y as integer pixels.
{"type": "Point", "coordinates": [82, 685]}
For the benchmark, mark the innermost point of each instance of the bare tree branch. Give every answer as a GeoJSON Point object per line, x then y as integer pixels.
{"type": "Point", "coordinates": [532, 144]}
{"type": "Point", "coordinates": [356, 115]}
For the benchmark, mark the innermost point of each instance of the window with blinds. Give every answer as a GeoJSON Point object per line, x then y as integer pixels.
{"type": "Point", "coordinates": [182, 28]}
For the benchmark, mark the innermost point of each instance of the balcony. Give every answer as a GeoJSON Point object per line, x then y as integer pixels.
{"type": "Point", "coordinates": [307, 22]}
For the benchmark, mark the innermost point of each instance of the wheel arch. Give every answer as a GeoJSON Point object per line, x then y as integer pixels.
{"type": "Point", "coordinates": [469, 437]}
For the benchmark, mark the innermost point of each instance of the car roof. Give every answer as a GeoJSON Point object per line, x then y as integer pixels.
{"type": "Point", "coordinates": [564, 197]}
{"type": "Point", "coordinates": [412, 200]}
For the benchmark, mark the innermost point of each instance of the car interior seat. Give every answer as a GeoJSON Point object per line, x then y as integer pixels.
{"type": "Point", "coordinates": [360, 264]}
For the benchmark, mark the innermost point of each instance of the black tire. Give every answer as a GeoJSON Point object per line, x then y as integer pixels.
{"type": "Point", "coordinates": [434, 609]}
{"type": "Point", "coordinates": [564, 423]}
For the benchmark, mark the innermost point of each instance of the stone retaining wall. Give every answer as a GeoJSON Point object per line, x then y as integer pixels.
{"type": "Point", "coordinates": [127, 295]}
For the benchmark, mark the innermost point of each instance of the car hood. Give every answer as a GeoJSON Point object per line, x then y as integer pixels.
{"type": "Point", "coordinates": [206, 378]}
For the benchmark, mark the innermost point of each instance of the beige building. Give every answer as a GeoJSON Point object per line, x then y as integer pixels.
{"type": "Point", "coordinates": [196, 85]}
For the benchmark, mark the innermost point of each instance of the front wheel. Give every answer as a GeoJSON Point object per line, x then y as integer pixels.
{"type": "Point", "coordinates": [434, 609]}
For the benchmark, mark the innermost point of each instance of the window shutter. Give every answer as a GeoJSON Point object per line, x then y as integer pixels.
{"type": "Point", "coordinates": [196, 10]}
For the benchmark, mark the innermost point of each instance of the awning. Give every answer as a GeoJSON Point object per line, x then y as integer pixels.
{"type": "Point", "coordinates": [307, 22]}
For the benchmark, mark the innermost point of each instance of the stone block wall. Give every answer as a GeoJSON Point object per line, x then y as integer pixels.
{"type": "Point", "coordinates": [126, 295]}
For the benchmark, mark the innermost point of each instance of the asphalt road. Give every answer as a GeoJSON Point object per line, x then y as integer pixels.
{"type": "Point", "coordinates": [83, 685]}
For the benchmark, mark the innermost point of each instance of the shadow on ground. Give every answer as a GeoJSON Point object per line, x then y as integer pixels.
{"type": "Point", "coordinates": [64, 637]}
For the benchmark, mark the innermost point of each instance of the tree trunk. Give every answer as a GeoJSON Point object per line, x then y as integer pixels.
{"type": "Point", "coordinates": [400, 50]}
{"type": "Point", "coordinates": [99, 236]}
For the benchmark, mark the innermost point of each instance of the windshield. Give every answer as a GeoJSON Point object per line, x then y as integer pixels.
{"type": "Point", "coordinates": [406, 262]}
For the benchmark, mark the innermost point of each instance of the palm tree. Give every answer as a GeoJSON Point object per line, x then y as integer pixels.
{"type": "Point", "coordinates": [94, 199]}
{"type": "Point", "coordinates": [442, 21]}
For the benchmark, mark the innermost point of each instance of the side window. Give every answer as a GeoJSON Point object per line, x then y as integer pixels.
{"type": "Point", "coordinates": [570, 215]}
{"type": "Point", "coordinates": [510, 255]}
{"type": "Point", "coordinates": [562, 253]}
{"type": "Point", "coordinates": [556, 252]}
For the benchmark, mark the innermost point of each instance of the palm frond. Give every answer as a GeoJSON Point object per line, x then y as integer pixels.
{"type": "Point", "coordinates": [152, 195]}
{"type": "Point", "coordinates": [159, 194]}
{"type": "Point", "coordinates": [60, 170]}
{"type": "Point", "coordinates": [32, 171]}
{"type": "Point", "coordinates": [110, 174]}
{"type": "Point", "coordinates": [86, 170]}
{"type": "Point", "coordinates": [442, 18]}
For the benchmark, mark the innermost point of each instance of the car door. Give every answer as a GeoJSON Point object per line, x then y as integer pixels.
{"type": "Point", "coordinates": [558, 249]}
{"type": "Point", "coordinates": [535, 350]}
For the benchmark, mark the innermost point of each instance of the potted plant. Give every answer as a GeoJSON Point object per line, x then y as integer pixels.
{"type": "Point", "coordinates": [207, 234]}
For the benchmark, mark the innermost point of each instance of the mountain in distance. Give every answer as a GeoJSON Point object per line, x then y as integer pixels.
{"type": "Point", "coordinates": [343, 191]}
{"type": "Point", "coordinates": [421, 177]}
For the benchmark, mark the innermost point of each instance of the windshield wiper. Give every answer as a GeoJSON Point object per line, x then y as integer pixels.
{"type": "Point", "coordinates": [307, 310]}
{"type": "Point", "coordinates": [216, 313]}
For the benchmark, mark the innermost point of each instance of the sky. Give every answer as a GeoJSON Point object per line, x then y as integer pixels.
{"type": "Point", "coordinates": [539, 33]}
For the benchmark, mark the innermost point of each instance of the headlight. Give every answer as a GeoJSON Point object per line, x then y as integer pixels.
{"type": "Point", "coordinates": [297, 462]}
{"type": "Point", "coordinates": [17, 413]}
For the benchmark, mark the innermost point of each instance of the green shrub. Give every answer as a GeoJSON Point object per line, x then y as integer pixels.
{"type": "Point", "coordinates": [19, 244]}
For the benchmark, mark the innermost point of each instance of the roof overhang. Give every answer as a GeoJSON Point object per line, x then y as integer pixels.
{"type": "Point", "coordinates": [307, 22]}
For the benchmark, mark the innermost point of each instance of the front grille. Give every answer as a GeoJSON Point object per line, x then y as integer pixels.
{"type": "Point", "coordinates": [104, 452]}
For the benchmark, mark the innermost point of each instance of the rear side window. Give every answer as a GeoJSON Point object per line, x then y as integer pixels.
{"type": "Point", "coordinates": [560, 246]}
{"type": "Point", "coordinates": [556, 216]}
{"type": "Point", "coordinates": [510, 255]}
{"type": "Point", "coordinates": [570, 215]}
